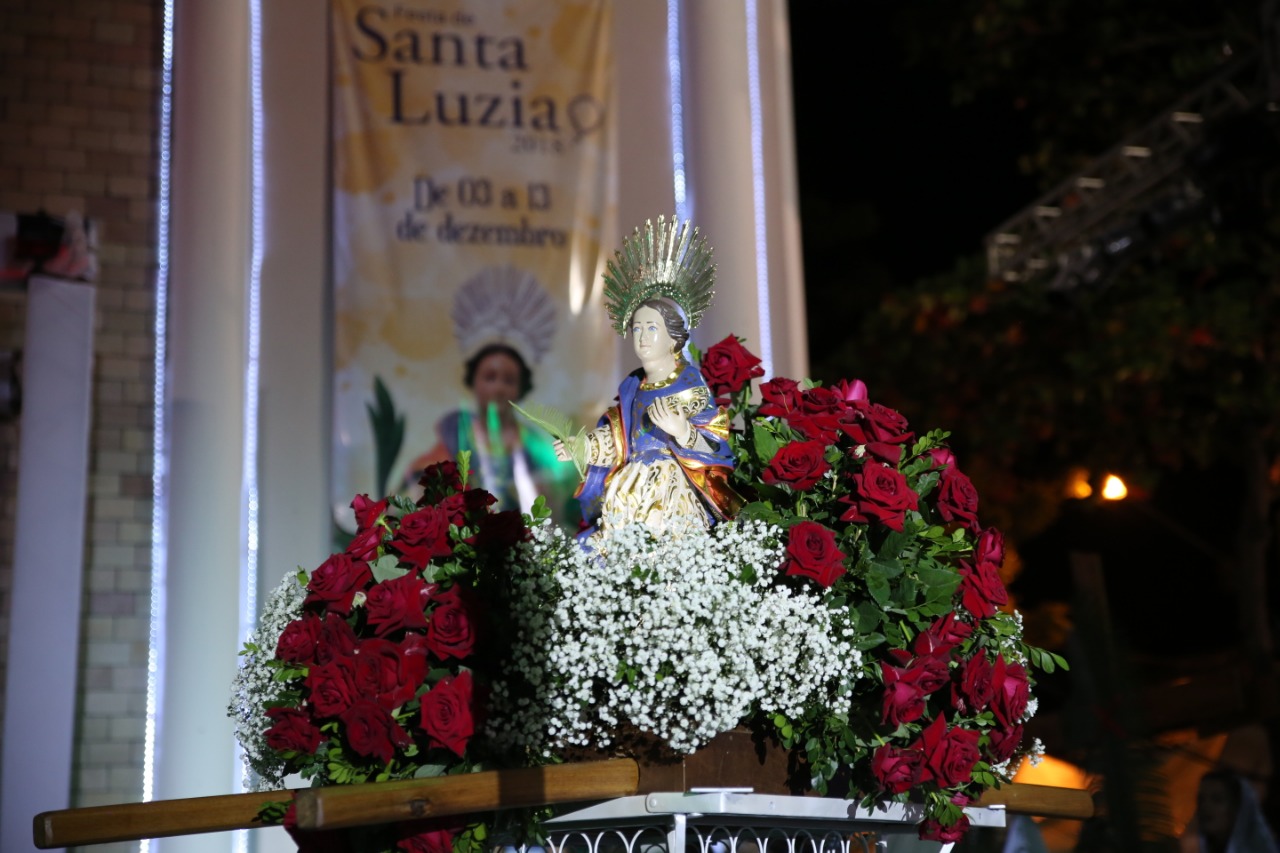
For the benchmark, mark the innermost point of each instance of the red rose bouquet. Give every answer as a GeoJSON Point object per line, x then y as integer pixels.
{"type": "Point", "coordinates": [367, 669]}
{"type": "Point", "coordinates": [883, 520]}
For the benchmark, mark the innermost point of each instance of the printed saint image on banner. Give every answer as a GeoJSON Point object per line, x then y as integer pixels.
{"type": "Point", "coordinates": [474, 162]}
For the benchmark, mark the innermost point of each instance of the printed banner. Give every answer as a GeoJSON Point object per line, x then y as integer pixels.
{"type": "Point", "coordinates": [473, 210]}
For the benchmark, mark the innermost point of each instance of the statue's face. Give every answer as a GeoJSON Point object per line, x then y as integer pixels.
{"type": "Point", "coordinates": [649, 335]}
{"type": "Point", "coordinates": [497, 380]}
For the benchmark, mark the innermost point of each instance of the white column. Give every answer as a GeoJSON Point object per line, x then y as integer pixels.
{"type": "Point", "coordinates": [717, 115]}
{"type": "Point", "coordinates": [206, 339]}
{"type": "Point", "coordinates": [744, 227]}
{"type": "Point", "coordinates": [48, 558]}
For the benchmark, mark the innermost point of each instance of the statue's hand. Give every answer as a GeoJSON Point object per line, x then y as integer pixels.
{"type": "Point", "coordinates": [670, 418]}
{"type": "Point", "coordinates": [562, 452]}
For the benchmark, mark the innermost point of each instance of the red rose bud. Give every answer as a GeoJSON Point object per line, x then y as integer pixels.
{"type": "Point", "coordinates": [981, 591]}
{"type": "Point", "coordinates": [438, 481]}
{"type": "Point", "coordinates": [823, 427]}
{"type": "Point", "coordinates": [944, 634]}
{"type": "Point", "coordinates": [364, 545]}
{"type": "Point", "coordinates": [812, 553]}
{"type": "Point", "coordinates": [903, 697]}
{"type": "Point", "coordinates": [451, 630]}
{"type": "Point", "coordinates": [949, 754]}
{"type": "Point", "coordinates": [367, 511]}
{"type": "Point", "coordinates": [882, 424]}
{"type": "Point", "coordinates": [1004, 743]}
{"type": "Point", "coordinates": [1010, 692]}
{"type": "Point", "coordinates": [850, 390]}
{"type": "Point", "coordinates": [990, 547]}
{"type": "Point", "coordinates": [881, 495]}
{"type": "Point", "coordinates": [799, 465]}
{"type": "Point", "coordinates": [422, 535]}
{"type": "Point", "coordinates": [372, 731]}
{"type": "Point", "coordinates": [933, 830]}
{"type": "Point", "coordinates": [292, 729]}
{"type": "Point", "coordinates": [397, 604]}
{"type": "Point", "coordinates": [780, 398]}
{"type": "Point", "coordinates": [446, 713]}
{"type": "Point", "coordinates": [727, 367]}
{"type": "Point", "coordinates": [958, 499]}
{"type": "Point", "coordinates": [896, 769]}
{"type": "Point", "coordinates": [975, 683]}
{"type": "Point", "coordinates": [942, 457]}
{"type": "Point", "coordinates": [336, 583]}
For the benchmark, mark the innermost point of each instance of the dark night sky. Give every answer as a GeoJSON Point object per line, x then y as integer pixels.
{"type": "Point", "coordinates": [897, 183]}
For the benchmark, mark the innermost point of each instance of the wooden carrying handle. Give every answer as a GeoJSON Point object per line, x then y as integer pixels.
{"type": "Point", "coordinates": [1040, 801]}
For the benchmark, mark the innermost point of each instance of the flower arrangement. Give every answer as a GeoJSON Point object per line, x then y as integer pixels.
{"type": "Point", "coordinates": [885, 523]}
{"type": "Point", "coordinates": [370, 668]}
{"type": "Point", "coordinates": [909, 680]}
{"type": "Point", "coordinates": [679, 638]}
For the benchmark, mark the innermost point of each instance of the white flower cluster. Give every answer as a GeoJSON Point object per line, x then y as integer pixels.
{"type": "Point", "coordinates": [254, 686]}
{"type": "Point", "coordinates": [681, 637]}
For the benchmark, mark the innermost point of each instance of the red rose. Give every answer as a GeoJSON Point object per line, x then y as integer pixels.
{"type": "Point", "coordinates": [821, 426]}
{"type": "Point", "coordinates": [799, 465]}
{"type": "Point", "coordinates": [896, 769]}
{"type": "Point", "coordinates": [292, 729]}
{"type": "Point", "coordinates": [933, 830]}
{"type": "Point", "coordinates": [438, 481]}
{"type": "Point", "coordinates": [499, 531]}
{"type": "Point", "coordinates": [372, 731]}
{"type": "Point", "coordinates": [941, 457]}
{"type": "Point", "coordinates": [399, 603]}
{"type": "Point", "coordinates": [850, 390]}
{"type": "Point", "coordinates": [727, 366]}
{"type": "Point", "coordinates": [1004, 743]}
{"type": "Point", "coordinates": [446, 713]}
{"type": "Point", "coordinates": [882, 423]}
{"type": "Point", "coordinates": [297, 643]}
{"type": "Point", "coordinates": [332, 686]}
{"type": "Point", "coordinates": [336, 583]}
{"type": "Point", "coordinates": [451, 632]}
{"type": "Point", "coordinates": [368, 512]}
{"type": "Point", "coordinates": [780, 397]}
{"type": "Point", "coordinates": [427, 836]}
{"type": "Point", "coordinates": [903, 697]}
{"type": "Point", "coordinates": [975, 684]}
{"type": "Point", "coordinates": [821, 401]}
{"type": "Point", "coordinates": [422, 534]}
{"type": "Point", "coordinates": [882, 494]}
{"type": "Point", "coordinates": [943, 635]}
{"type": "Point", "coordinates": [812, 553]}
{"type": "Point", "coordinates": [467, 508]}
{"type": "Point", "coordinates": [1010, 692]}
{"type": "Point", "coordinates": [364, 545]}
{"type": "Point", "coordinates": [958, 499]}
{"type": "Point", "coordinates": [981, 591]}
{"type": "Point", "coordinates": [930, 672]}
{"type": "Point", "coordinates": [388, 673]}
{"type": "Point", "coordinates": [990, 547]}
{"type": "Point", "coordinates": [949, 754]}
{"type": "Point", "coordinates": [336, 639]}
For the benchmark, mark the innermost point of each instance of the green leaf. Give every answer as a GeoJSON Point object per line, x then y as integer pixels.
{"type": "Point", "coordinates": [766, 443]}
{"type": "Point", "coordinates": [385, 568]}
{"type": "Point", "coordinates": [388, 433]}
{"type": "Point", "coordinates": [429, 771]}
{"type": "Point", "coordinates": [868, 641]}
{"type": "Point", "coordinates": [879, 589]}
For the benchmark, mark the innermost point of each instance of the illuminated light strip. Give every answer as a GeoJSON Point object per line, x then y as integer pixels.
{"type": "Point", "coordinates": [675, 77]}
{"type": "Point", "coordinates": [249, 475]}
{"type": "Point", "coordinates": [160, 437]}
{"type": "Point", "coordinates": [757, 191]}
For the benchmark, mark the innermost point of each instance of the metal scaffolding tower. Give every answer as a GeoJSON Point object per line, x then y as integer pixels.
{"type": "Point", "coordinates": [1070, 234]}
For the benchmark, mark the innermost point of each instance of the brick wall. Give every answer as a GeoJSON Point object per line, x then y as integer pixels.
{"type": "Point", "coordinates": [78, 131]}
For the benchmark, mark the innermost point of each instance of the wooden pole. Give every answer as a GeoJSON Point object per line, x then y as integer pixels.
{"type": "Point", "coordinates": [160, 819]}
{"type": "Point", "coordinates": [384, 802]}
{"type": "Point", "coordinates": [1040, 801]}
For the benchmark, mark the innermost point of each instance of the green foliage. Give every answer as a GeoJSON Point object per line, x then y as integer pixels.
{"type": "Point", "coordinates": [388, 433]}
